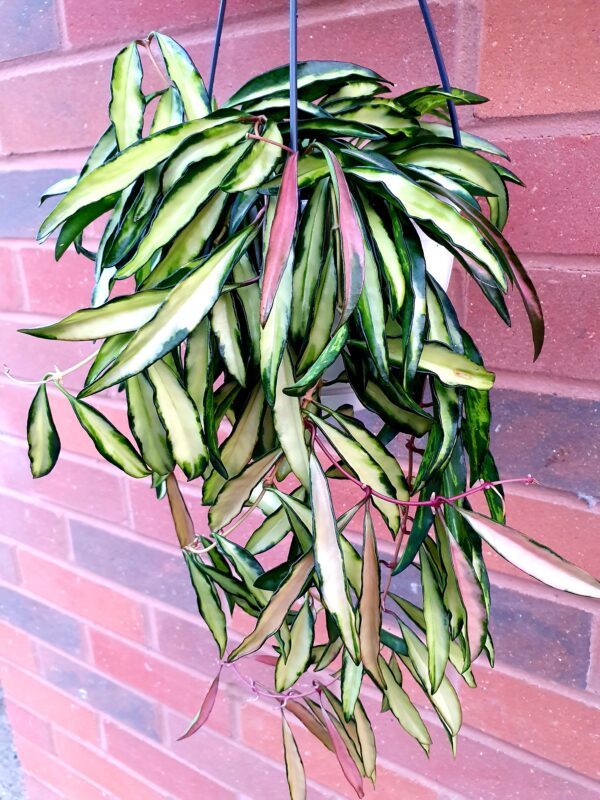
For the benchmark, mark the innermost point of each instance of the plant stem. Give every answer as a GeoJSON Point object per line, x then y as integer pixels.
{"type": "Point", "coordinates": [55, 376]}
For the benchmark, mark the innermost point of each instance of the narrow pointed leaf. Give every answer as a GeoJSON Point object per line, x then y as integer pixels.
{"type": "Point", "coordinates": [281, 236]}
{"type": "Point", "coordinates": [183, 309]}
{"type": "Point", "coordinates": [349, 768]}
{"type": "Point", "coordinates": [42, 436]}
{"type": "Point", "coordinates": [180, 419]}
{"type": "Point", "coordinates": [325, 360]}
{"type": "Point", "coordinates": [403, 708]}
{"type": "Point", "coordinates": [329, 563]}
{"type": "Point", "coordinates": [289, 423]}
{"type": "Point", "coordinates": [203, 714]}
{"type": "Point", "coordinates": [294, 767]}
{"type": "Point", "coordinates": [236, 491]}
{"type": "Point", "coordinates": [436, 623]}
{"type": "Point", "coordinates": [209, 605]}
{"type": "Point", "coordinates": [184, 527]}
{"type": "Point", "coordinates": [276, 611]}
{"type": "Point", "coordinates": [533, 558]}
{"type": "Point", "coordinates": [351, 681]}
{"type": "Point", "coordinates": [295, 663]}
{"type": "Point", "coordinates": [126, 108]}
{"type": "Point", "coordinates": [370, 601]}
{"type": "Point", "coordinates": [257, 166]}
{"type": "Point", "coordinates": [146, 425]}
{"type": "Point", "coordinates": [185, 76]}
{"type": "Point", "coordinates": [225, 326]}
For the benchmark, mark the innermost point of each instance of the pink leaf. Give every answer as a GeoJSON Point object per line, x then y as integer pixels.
{"type": "Point", "coordinates": [270, 661]}
{"type": "Point", "coordinates": [348, 766]}
{"type": "Point", "coordinates": [207, 706]}
{"type": "Point", "coordinates": [281, 237]}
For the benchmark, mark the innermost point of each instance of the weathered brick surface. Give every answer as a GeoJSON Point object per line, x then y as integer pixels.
{"type": "Point", "coordinates": [570, 300]}
{"type": "Point", "coordinates": [41, 620]}
{"type": "Point", "coordinates": [144, 569]}
{"type": "Point", "coordinates": [554, 44]}
{"type": "Point", "coordinates": [20, 192]}
{"type": "Point", "coordinates": [540, 637]}
{"type": "Point", "coordinates": [28, 28]}
{"type": "Point", "coordinates": [76, 572]}
{"type": "Point", "coordinates": [101, 693]}
{"type": "Point", "coordinates": [548, 216]}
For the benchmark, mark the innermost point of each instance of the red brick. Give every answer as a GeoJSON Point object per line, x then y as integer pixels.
{"type": "Point", "coordinates": [549, 216]}
{"type": "Point", "coordinates": [570, 301]}
{"type": "Point", "coordinates": [535, 719]}
{"type": "Point", "coordinates": [17, 646]}
{"type": "Point", "coordinates": [65, 107]}
{"type": "Point", "coordinates": [546, 518]}
{"type": "Point", "coordinates": [29, 725]}
{"type": "Point", "coordinates": [100, 769]}
{"type": "Point", "coordinates": [8, 564]}
{"type": "Point", "coordinates": [156, 678]}
{"type": "Point", "coordinates": [12, 288]}
{"type": "Point", "coordinates": [186, 642]}
{"type": "Point", "coordinates": [34, 693]}
{"type": "Point", "coordinates": [55, 773]}
{"type": "Point", "coordinates": [38, 790]}
{"type": "Point", "coordinates": [56, 288]}
{"type": "Point", "coordinates": [170, 774]}
{"type": "Point", "coordinates": [31, 358]}
{"type": "Point", "coordinates": [34, 525]}
{"type": "Point", "coordinates": [71, 484]}
{"type": "Point", "coordinates": [66, 589]}
{"type": "Point", "coordinates": [346, 38]}
{"type": "Point", "coordinates": [539, 57]}
{"type": "Point", "coordinates": [594, 673]}
{"type": "Point", "coordinates": [28, 28]}
{"type": "Point", "coordinates": [88, 26]}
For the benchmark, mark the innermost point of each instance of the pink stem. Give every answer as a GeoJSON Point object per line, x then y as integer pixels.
{"type": "Point", "coordinates": [435, 502]}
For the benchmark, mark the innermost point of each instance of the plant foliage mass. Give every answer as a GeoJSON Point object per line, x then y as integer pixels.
{"type": "Point", "coordinates": [274, 297]}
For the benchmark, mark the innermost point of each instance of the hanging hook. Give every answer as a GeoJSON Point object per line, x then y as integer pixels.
{"type": "Point", "coordinates": [294, 75]}
{"type": "Point", "coordinates": [216, 46]}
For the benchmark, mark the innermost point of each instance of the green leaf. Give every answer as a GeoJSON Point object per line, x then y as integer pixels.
{"type": "Point", "coordinates": [185, 76]}
{"type": "Point", "coordinates": [351, 681]}
{"type": "Point", "coordinates": [468, 140]}
{"type": "Point", "coordinates": [238, 447]}
{"type": "Point", "coordinates": [421, 526]}
{"type": "Point", "coordinates": [146, 426]}
{"type": "Point", "coordinates": [403, 708]}
{"type": "Point", "coordinates": [127, 104]}
{"type": "Point", "coordinates": [209, 605]}
{"type": "Point", "coordinates": [369, 472]}
{"type": "Point", "coordinates": [197, 362]}
{"type": "Point", "coordinates": [246, 566]}
{"type": "Point", "coordinates": [276, 611]}
{"type": "Point", "coordinates": [387, 256]}
{"type": "Point", "coordinates": [273, 335]}
{"type": "Point", "coordinates": [339, 128]}
{"type": "Point", "coordinates": [277, 81]}
{"type": "Point", "coordinates": [291, 666]}
{"type": "Point", "coordinates": [109, 442]}
{"type": "Point", "coordinates": [42, 436]}
{"type": "Point", "coordinates": [318, 328]}
{"type": "Point", "coordinates": [225, 325]}
{"type": "Point", "coordinates": [257, 166]}
{"type": "Point", "coordinates": [325, 360]}
{"type": "Point", "coordinates": [308, 260]}
{"type": "Point", "coordinates": [443, 434]}
{"type": "Point", "coordinates": [121, 315]}
{"type": "Point", "coordinates": [414, 312]}
{"type": "Point", "coordinates": [452, 368]}
{"type": "Point", "coordinates": [183, 309]}
{"type": "Point", "coordinates": [436, 623]}
{"type": "Point", "coordinates": [445, 701]}
{"type": "Point", "coordinates": [371, 314]}
{"type": "Point", "coordinates": [466, 165]}
{"type": "Point", "coordinates": [351, 238]}
{"type": "Point", "coordinates": [181, 204]}
{"type": "Point", "coordinates": [533, 558]}
{"type": "Point", "coordinates": [329, 563]}
{"type": "Point", "coordinates": [236, 491]}
{"type": "Point", "coordinates": [294, 767]}
{"type": "Point", "coordinates": [379, 114]}
{"type": "Point", "coordinates": [421, 205]}
{"type": "Point", "coordinates": [189, 242]}
{"type": "Point", "coordinates": [122, 170]}
{"type": "Point", "coordinates": [289, 423]}
{"type": "Point", "coordinates": [180, 419]}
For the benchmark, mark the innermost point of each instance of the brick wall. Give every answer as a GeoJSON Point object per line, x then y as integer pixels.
{"type": "Point", "coordinates": [102, 657]}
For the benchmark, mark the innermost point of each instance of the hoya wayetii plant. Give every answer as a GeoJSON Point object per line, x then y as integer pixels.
{"type": "Point", "coordinates": [274, 295]}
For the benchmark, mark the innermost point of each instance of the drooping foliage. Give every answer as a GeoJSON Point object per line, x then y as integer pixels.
{"type": "Point", "coordinates": [274, 298]}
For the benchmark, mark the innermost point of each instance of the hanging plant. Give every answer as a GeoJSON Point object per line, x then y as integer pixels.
{"type": "Point", "coordinates": [266, 280]}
